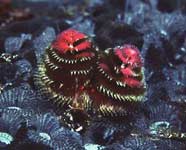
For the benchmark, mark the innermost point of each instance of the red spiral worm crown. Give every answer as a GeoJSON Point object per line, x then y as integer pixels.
{"type": "Point", "coordinates": [119, 82]}
{"type": "Point", "coordinates": [66, 69]}
{"type": "Point", "coordinates": [72, 75]}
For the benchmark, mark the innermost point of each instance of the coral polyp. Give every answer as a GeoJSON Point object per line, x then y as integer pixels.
{"type": "Point", "coordinates": [11, 122]}
{"type": "Point", "coordinates": [78, 77]}
{"type": "Point", "coordinates": [19, 98]}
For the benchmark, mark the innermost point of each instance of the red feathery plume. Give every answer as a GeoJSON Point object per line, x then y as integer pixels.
{"type": "Point", "coordinates": [131, 61]}
{"type": "Point", "coordinates": [70, 40]}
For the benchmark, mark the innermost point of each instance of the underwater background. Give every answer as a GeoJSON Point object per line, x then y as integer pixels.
{"type": "Point", "coordinates": [156, 28]}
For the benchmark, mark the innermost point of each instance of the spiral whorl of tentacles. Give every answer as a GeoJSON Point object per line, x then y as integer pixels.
{"type": "Point", "coordinates": [66, 67]}
{"type": "Point", "coordinates": [119, 81]}
{"type": "Point", "coordinates": [76, 76]}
